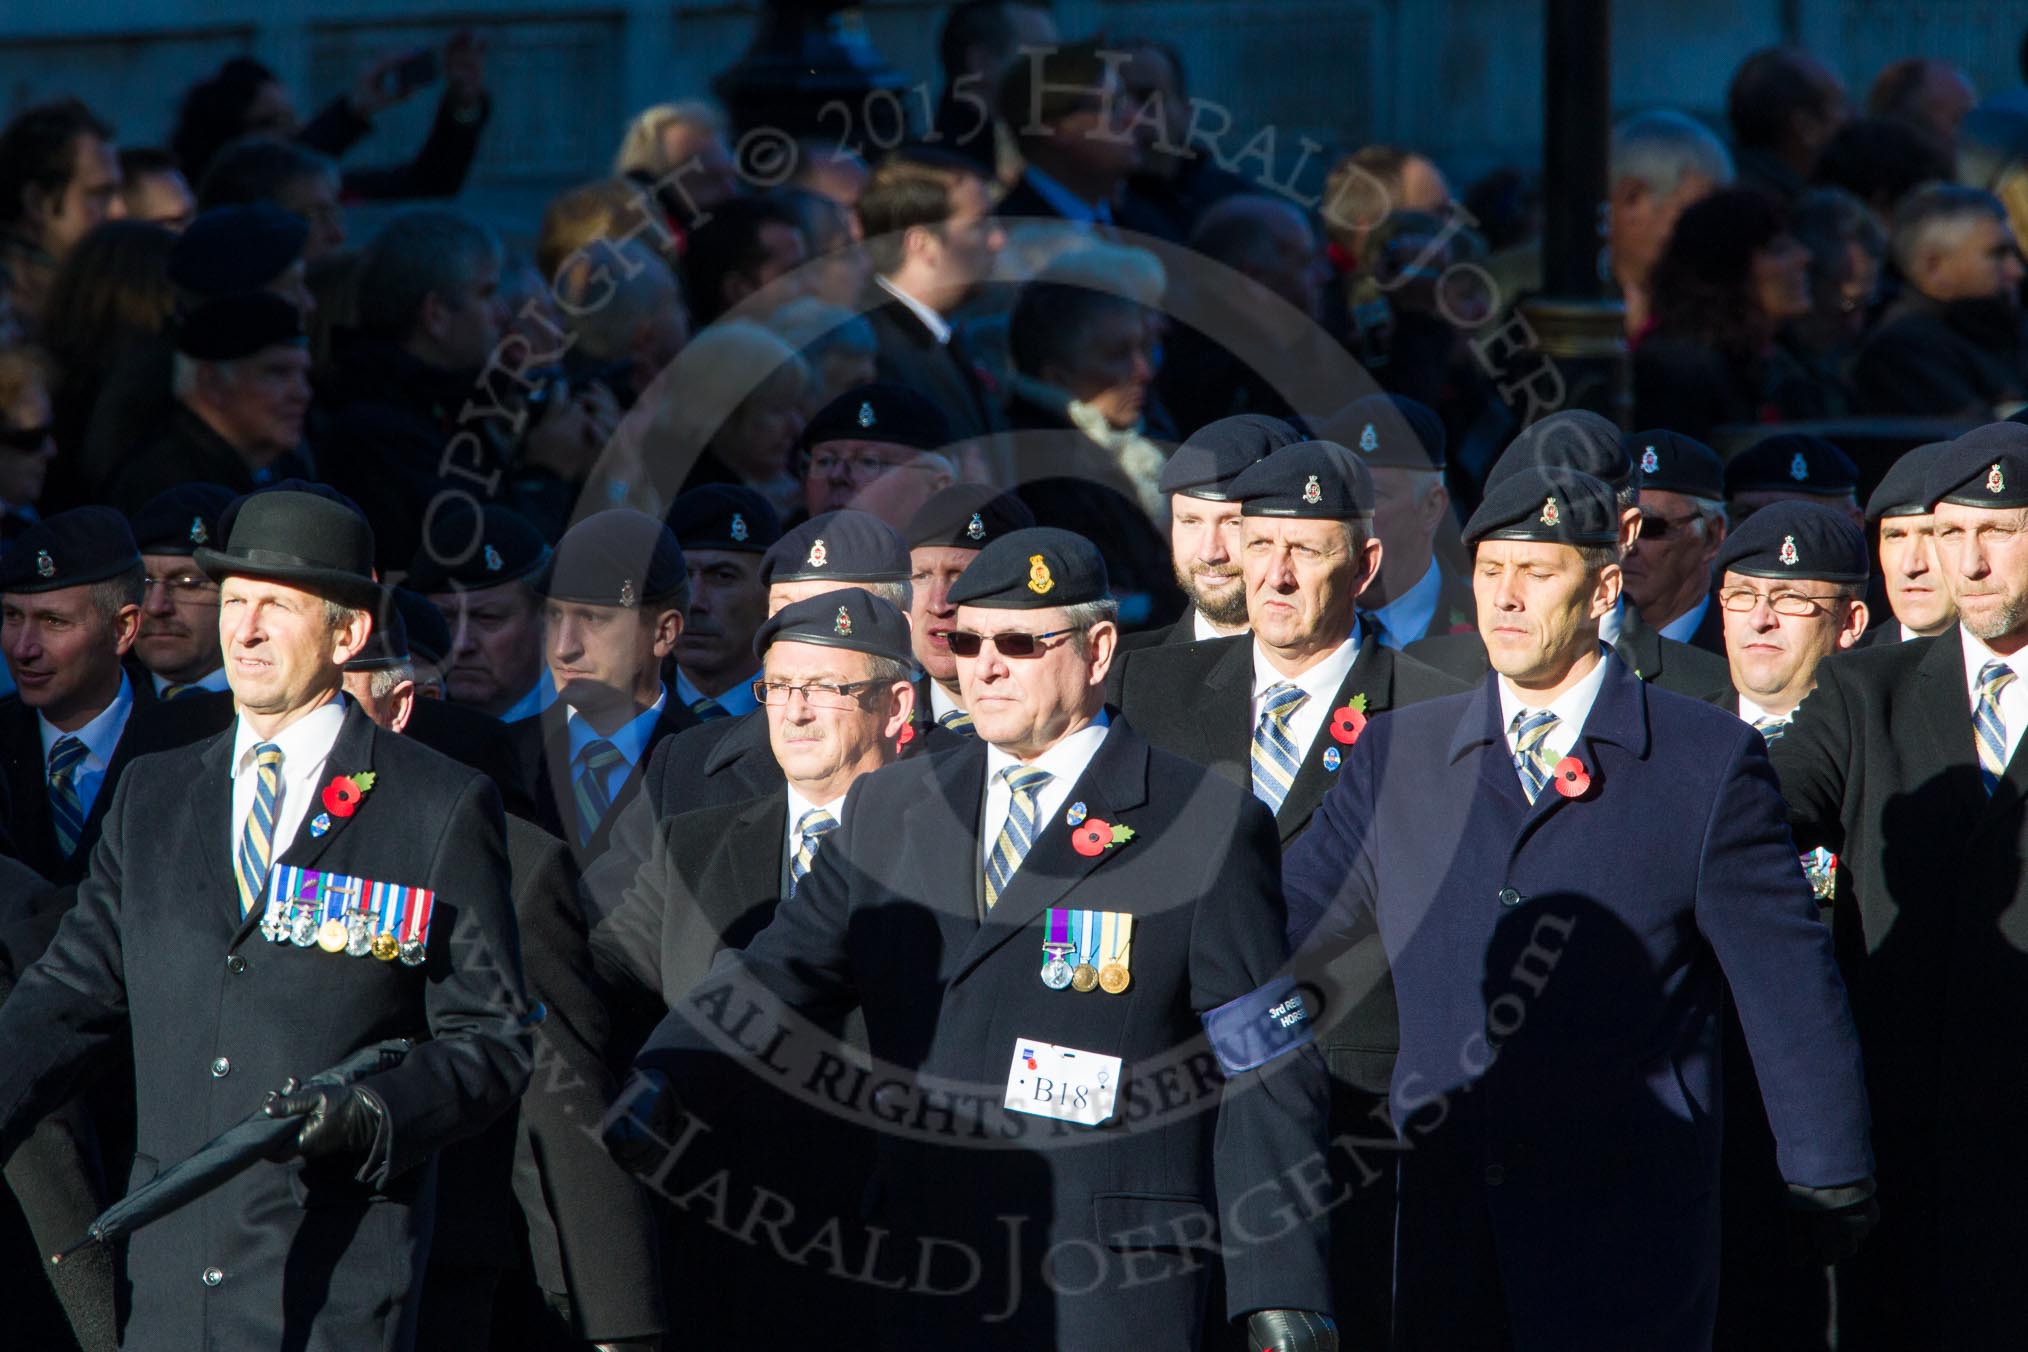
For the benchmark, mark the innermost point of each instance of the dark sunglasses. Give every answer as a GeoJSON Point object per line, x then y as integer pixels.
{"type": "Point", "coordinates": [26, 438]}
{"type": "Point", "coordinates": [965, 643]}
{"type": "Point", "coordinates": [1655, 527]}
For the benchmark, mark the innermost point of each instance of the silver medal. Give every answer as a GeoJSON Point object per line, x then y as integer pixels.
{"type": "Point", "coordinates": [1056, 974]}
{"type": "Point", "coordinates": [412, 952]}
{"type": "Point", "coordinates": [358, 934]}
{"type": "Point", "coordinates": [303, 927]}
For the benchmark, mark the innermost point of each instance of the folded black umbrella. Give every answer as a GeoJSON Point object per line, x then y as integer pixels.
{"type": "Point", "coordinates": [226, 1155]}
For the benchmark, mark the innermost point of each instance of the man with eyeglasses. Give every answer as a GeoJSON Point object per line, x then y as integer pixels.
{"type": "Point", "coordinates": [1668, 571]}
{"type": "Point", "coordinates": [1904, 762]}
{"type": "Point", "coordinates": [725, 531]}
{"type": "Point", "coordinates": [1792, 586]}
{"type": "Point", "coordinates": [1918, 592]}
{"type": "Point", "coordinates": [178, 640]}
{"type": "Point", "coordinates": [940, 906]}
{"type": "Point", "coordinates": [877, 448]}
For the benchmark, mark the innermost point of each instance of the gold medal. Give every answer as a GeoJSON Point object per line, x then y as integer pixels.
{"type": "Point", "coordinates": [1116, 938]}
{"type": "Point", "coordinates": [331, 936]}
{"type": "Point", "coordinates": [1113, 978]}
{"type": "Point", "coordinates": [386, 947]}
{"type": "Point", "coordinates": [1083, 977]}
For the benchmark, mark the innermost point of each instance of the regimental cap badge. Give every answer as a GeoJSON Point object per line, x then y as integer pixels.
{"type": "Point", "coordinates": [1650, 462]}
{"type": "Point", "coordinates": [1550, 514]}
{"type": "Point", "coordinates": [198, 534]}
{"type": "Point", "coordinates": [1996, 482]}
{"type": "Point", "coordinates": [1369, 440]}
{"type": "Point", "coordinates": [1039, 580]}
{"type": "Point", "coordinates": [1788, 553]}
{"type": "Point", "coordinates": [1799, 468]}
{"type": "Point", "coordinates": [739, 530]}
{"type": "Point", "coordinates": [45, 566]}
{"type": "Point", "coordinates": [494, 563]}
{"type": "Point", "coordinates": [866, 418]}
{"type": "Point", "coordinates": [975, 529]}
{"type": "Point", "coordinates": [819, 556]}
{"type": "Point", "coordinates": [1313, 493]}
{"type": "Point", "coordinates": [627, 596]}
{"type": "Point", "coordinates": [843, 626]}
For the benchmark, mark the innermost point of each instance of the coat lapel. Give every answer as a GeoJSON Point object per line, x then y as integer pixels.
{"type": "Point", "coordinates": [756, 845]}
{"type": "Point", "coordinates": [940, 839]}
{"type": "Point", "coordinates": [1227, 725]}
{"type": "Point", "coordinates": [1619, 715]}
{"type": "Point", "coordinates": [1952, 749]}
{"type": "Point", "coordinates": [352, 753]}
{"type": "Point", "coordinates": [1371, 675]}
{"type": "Point", "coordinates": [217, 833]}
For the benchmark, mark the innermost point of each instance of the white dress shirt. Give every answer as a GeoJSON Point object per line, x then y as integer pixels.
{"type": "Point", "coordinates": [1202, 629]}
{"type": "Point", "coordinates": [1753, 713]}
{"type": "Point", "coordinates": [1320, 683]}
{"type": "Point", "coordinates": [1571, 708]}
{"type": "Point", "coordinates": [306, 745]}
{"type": "Point", "coordinates": [939, 327]}
{"type": "Point", "coordinates": [941, 702]}
{"type": "Point", "coordinates": [2013, 699]}
{"type": "Point", "coordinates": [1065, 762]}
{"type": "Point", "coordinates": [1407, 617]}
{"type": "Point", "coordinates": [101, 737]}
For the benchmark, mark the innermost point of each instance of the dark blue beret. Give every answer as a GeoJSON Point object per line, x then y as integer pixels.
{"type": "Point", "coordinates": [1549, 505]}
{"type": "Point", "coordinates": [1797, 539]}
{"type": "Point", "coordinates": [429, 633]}
{"type": "Point", "coordinates": [618, 557]}
{"type": "Point", "coordinates": [891, 414]}
{"type": "Point", "coordinates": [227, 328]}
{"type": "Point", "coordinates": [387, 646]}
{"type": "Point", "coordinates": [1986, 467]}
{"type": "Point", "coordinates": [1575, 439]}
{"type": "Point", "coordinates": [1216, 453]}
{"type": "Point", "coordinates": [178, 520]}
{"type": "Point", "coordinates": [967, 516]}
{"type": "Point", "coordinates": [850, 617]}
{"type": "Point", "coordinates": [1390, 431]}
{"type": "Point", "coordinates": [1792, 462]}
{"type": "Point", "coordinates": [1034, 569]}
{"type": "Point", "coordinates": [843, 546]}
{"type": "Point", "coordinates": [1320, 480]}
{"type": "Point", "coordinates": [1673, 463]}
{"type": "Point", "coordinates": [1904, 489]}
{"type": "Point", "coordinates": [467, 546]}
{"type": "Point", "coordinates": [69, 549]}
{"type": "Point", "coordinates": [229, 250]}
{"type": "Point", "coordinates": [727, 517]}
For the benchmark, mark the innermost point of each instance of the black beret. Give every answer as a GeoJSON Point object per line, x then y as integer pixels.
{"type": "Point", "coordinates": [730, 517]}
{"type": "Point", "coordinates": [1575, 439]}
{"type": "Point", "coordinates": [1033, 569]}
{"type": "Point", "coordinates": [850, 617]}
{"type": "Point", "coordinates": [1797, 539]}
{"type": "Point", "coordinates": [1904, 489]}
{"type": "Point", "coordinates": [845, 546]}
{"type": "Point", "coordinates": [1792, 462]}
{"type": "Point", "coordinates": [429, 633]}
{"type": "Point", "coordinates": [1391, 431]}
{"type": "Point", "coordinates": [469, 546]}
{"type": "Point", "coordinates": [229, 250]}
{"type": "Point", "coordinates": [387, 646]}
{"type": "Point", "coordinates": [1547, 504]}
{"type": "Point", "coordinates": [967, 516]}
{"type": "Point", "coordinates": [178, 520]}
{"type": "Point", "coordinates": [618, 557]}
{"type": "Point", "coordinates": [69, 549]}
{"type": "Point", "coordinates": [1320, 480]}
{"type": "Point", "coordinates": [1673, 463]}
{"type": "Point", "coordinates": [1216, 453]}
{"type": "Point", "coordinates": [891, 414]}
{"type": "Point", "coordinates": [230, 327]}
{"type": "Point", "coordinates": [1986, 467]}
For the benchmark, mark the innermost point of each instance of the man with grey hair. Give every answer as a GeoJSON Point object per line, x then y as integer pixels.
{"type": "Point", "coordinates": [1662, 161]}
{"type": "Point", "coordinates": [1953, 345]}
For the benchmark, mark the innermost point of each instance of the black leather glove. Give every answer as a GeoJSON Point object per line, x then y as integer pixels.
{"type": "Point", "coordinates": [1826, 1225]}
{"type": "Point", "coordinates": [1290, 1331]}
{"type": "Point", "coordinates": [337, 1120]}
{"type": "Point", "coordinates": [640, 1137]}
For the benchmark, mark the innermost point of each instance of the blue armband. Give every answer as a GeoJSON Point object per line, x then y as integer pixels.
{"type": "Point", "coordinates": [1259, 1026]}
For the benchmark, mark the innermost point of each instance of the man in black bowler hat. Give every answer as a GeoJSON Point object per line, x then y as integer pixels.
{"type": "Point", "coordinates": [939, 905]}
{"type": "Point", "coordinates": [879, 448]}
{"type": "Point", "coordinates": [178, 640]}
{"type": "Point", "coordinates": [1790, 467]}
{"type": "Point", "coordinates": [480, 566]}
{"type": "Point", "coordinates": [1683, 523]}
{"type": "Point", "coordinates": [944, 537]}
{"type": "Point", "coordinates": [194, 937]}
{"type": "Point", "coordinates": [1903, 763]}
{"type": "Point", "coordinates": [725, 531]}
{"type": "Point", "coordinates": [1912, 575]}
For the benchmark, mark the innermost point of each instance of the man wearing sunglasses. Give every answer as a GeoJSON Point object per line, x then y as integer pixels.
{"type": "Point", "coordinates": [1668, 571]}
{"type": "Point", "coordinates": [939, 908]}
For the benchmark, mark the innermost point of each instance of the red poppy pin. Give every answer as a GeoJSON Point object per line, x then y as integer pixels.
{"type": "Point", "coordinates": [1347, 723]}
{"type": "Point", "coordinates": [907, 736]}
{"type": "Point", "coordinates": [342, 794]}
{"type": "Point", "coordinates": [1096, 837]}
{"type": "Point", "coordinates": [1570, 777]}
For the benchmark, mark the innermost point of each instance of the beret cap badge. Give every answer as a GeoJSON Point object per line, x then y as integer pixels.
{"type": "Point", "coordinates": [1313, 492]}
{"type": "Point", "coordinates": [739, 530]}
{"type": "Point", "coordinates": [1039, 580]}
{"type": "Point", "coordinates": [1996, 482]}
{"type": "Point", "coordinates": [198, 534]}
{"type": "Point", "coordinates": [1369, 440]}
{"type": "Point", "coordinates": [1799, 468]}
{"type": "Point", "coordinates": [1550, 514]}
{"type": "Point", "coordinates": [628, 597]}
{"type": "Point", "coordinates": [494, 563]}
{"type": "Point", "coordinates": [1650, 462]}
{"type": "Point", "coordinates": [866, 418]}
{"type": "Point", "coordinates": [819, 556]}
{"type": "Point", "coordinates": [1788, 553]}
{"type": "Point", "coordinates": [45, 566]}
{"type": "Point", "coordinates": [843, 626]}
{"type": "Point", "coordinates": [975, 529]}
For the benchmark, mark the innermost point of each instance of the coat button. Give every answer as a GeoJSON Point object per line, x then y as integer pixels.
{"type": "Point", "coordinates": [212, 1276]}
{"type": "Point", "coordinates": [1495, 1175]}
{"type": "Point", "coordinates": [235, 964]}
{"type": "Point", "coordinates": [221, 1068]}
{"type": "Point", "coordinates": [1509, 897]}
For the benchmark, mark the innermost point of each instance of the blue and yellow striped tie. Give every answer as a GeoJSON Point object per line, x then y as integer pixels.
{"type": "Point", "coordinates": [1988, 727]}
{"type": "Point", "coordinates": [257, 841]}
{"type": "Point", "coordinates": [1770, 728]}
{"type": "Point", "coordinates": [811, 828]}
{"type": "Point", "coordinates": [1530, 730]}
{"type": "Point", "coordinates": [1275, 758]}
{"type": "Point", "coordinates": [958, 721]}
{"type": "Point", "coordinates": [66, 806]}
{"type": "Point", "coordinates": [594, 762]}
{"type": "Point", "coordinates": [1018, 835]}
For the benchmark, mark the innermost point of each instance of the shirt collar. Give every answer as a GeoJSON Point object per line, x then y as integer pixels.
{"type": "Point", "coordinates": [305, 743]}
{"type": "Point", "coordinates": [939, 327]}
{"type": "Point", "coordinates": [798, 805]}
{"type": "Point", "coordinates": [1407, 617]}
{"type": "Point", "coordinates": [1977, 654]}
{"type": "Point", "coordinates": [735, 699]}
{"type": "Point", "coordinates": [538, 699]}
{"type": "Point", "coordinates": [1684, 625]}
{"type": "Point", "coordinates": [1753, 712]}
{"type": "Point", "coordinates": [1320, 682]}
{"type": "Point", "coordinates": [1572, 707]}
{"type": "Point", "coordinates": [1612, 622]}
{"type": "Point", "coordinates": [1064, 202]}
{"type": "Point", "coordinates": [941, 702]}
{"type": "Point", "coordinates": [211, 680]}
{"type": "Point", "coordinates": [630, 740]}
{"type": "Point", "coordinates": [1065, 761]}
{"type": "Point", "coordinates": [101, 735]}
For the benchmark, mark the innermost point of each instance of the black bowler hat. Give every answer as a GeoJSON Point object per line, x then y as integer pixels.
{"type": "Point", "coordinates": [1903, 490]}
{"type": "Point", "coordinates": [1986, 467]}
{"type": "Point", "coordinates": [300, 539]}
{"type": "Point", "coordinates": [387, 646]}
{"type": "Point", "coordinates": [1673, 463]}
{"type": "Point", "coordinates": [1575, 439]}
{"type": "Point", "coordinates": [178, 520]}
{"type": "Point", "coordinates": [1033, 569]}
{"type": "Point", "coordinates": [1548, 505]}
{"type": "Point", "coordinates": [1390, 431]}
{"type": "Point", "coordinates": [892, 414]}
{"type": "Point", "coordinates": [235, 249]}
{"type": "Point", "coordinates": [1797, 539]}
{"type": "Point", "coordinates": [230, 327]}
{"type": "Point", "coordinates": [69, 549]}
{"type": "Point", "coordinates": [850, 617]}
{"type": "Point", "coordinates": [728, 517]}
{"type": "Point", "coordinates": [1217, 453]}
{"type": "Point", "coordinates": [843, 546]}
{"type": "Point", "coordinates": [1792, 462]}
{"type": "Point", "coordinates": [618, 557]}
{"type": "Point", "coordinates": [1318, 480]}
{"type": "Point", "coordinates": [967, 516]}
{"type": "Point", "coordinates": [466, 546]}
